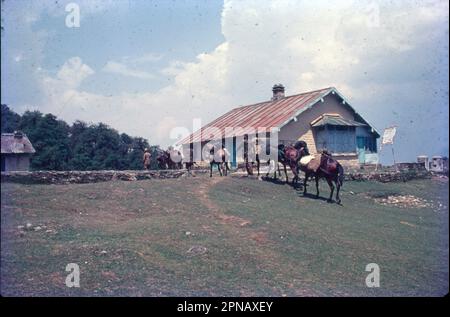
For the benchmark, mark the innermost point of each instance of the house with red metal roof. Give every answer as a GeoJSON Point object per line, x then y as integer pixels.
{"type": "Point", "coordinates": [322, 118]}
{"type": "Point", "coordinates": [16, 151]}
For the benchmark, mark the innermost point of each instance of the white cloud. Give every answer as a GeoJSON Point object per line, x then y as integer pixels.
{"type": "Point", "coordinates": [174, 68]}
{"type": "Point", "coordinates": [73, 72]}
{"type": "Point", "coordinates": [124, 70]}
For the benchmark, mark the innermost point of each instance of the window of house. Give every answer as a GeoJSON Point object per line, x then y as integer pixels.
{"type": "Point", "coordinates": [336, 139]}
{"type": "Point", "coordinates": [368, 143]}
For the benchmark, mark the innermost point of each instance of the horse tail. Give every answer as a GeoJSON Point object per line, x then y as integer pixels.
{"type": "Point", "coordinates": [340, 176]}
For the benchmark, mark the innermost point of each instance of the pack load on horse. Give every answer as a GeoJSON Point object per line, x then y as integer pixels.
{"type": "Point", "coordinates": [323, 166]}
{"type": "Point", "coordinates": [169, 159]}
{"type": "Point", "coordinates": [176, 158]}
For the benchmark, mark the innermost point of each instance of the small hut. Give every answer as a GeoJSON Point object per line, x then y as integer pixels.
{"type": "Point", "coordinates": [16, 152]}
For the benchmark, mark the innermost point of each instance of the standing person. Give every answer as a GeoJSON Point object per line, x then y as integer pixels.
{"type": "Point", "coordinates": [146, 159]}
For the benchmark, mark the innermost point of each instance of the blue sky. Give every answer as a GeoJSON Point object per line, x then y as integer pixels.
{"type": "Point", "coordinates": [159, 30]}
{"type": "Point", "coordinates": [144, 67]}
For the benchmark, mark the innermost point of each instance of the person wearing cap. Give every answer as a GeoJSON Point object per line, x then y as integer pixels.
{"type": "Point", "coordinates": [146, 159]}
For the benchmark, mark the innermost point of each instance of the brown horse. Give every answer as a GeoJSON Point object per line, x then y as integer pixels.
{"type": "Point", "coordinates": [289, 156]}
{"type": "Point", "coordinates": [330, 169]}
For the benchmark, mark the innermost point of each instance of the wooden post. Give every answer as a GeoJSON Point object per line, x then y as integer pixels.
{"type": "Point", "coordinates": [393, 156]}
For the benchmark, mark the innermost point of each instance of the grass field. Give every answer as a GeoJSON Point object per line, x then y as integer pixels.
{"type": "Point", "coordinates": [223, 237]}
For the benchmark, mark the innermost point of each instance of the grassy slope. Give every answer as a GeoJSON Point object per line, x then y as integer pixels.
{"type": "Point", "coordinates": [262, 239]}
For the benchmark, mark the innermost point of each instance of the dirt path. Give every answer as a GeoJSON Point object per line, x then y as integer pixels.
{"type": "Point", "coordinates": [202, 193]}
{"type": "Point", "coordinates": [237, 224]}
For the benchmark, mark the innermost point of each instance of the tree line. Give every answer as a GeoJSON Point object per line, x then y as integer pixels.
{"type": "Point", "coordinates": [80, 146]}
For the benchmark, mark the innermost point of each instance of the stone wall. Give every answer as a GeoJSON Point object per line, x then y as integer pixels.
{"type": "Point", "coordinates": [74, 177]}
{"type": "Point", "coordinates": [79, 177]}
{"type": "Point", "coordinates": [388, 176]}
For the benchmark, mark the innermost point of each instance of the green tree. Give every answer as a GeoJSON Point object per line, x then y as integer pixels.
{"type": "Point", "coordinates": [10, 120]}
{"type": "Point", "coordinates": [50, 138]}
{"type": "Point", "coordinates": [77, 147]}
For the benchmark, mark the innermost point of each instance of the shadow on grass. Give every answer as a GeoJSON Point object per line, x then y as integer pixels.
{"type": "Point", "coordinates": [280, 181]}
{"type": "Point", "coordinates": [314, 197]}
{"type": "Point", "coordinates": [276, 181]}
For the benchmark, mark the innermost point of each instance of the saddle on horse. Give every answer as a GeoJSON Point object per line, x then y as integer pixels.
{"type": "Point", "coordinates": [311, 162]}
{"type": "Point", "coordinates": [324, 162]}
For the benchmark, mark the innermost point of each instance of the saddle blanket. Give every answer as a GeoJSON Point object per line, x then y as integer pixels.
{"type": "Point", "coordinates": [306, 159]}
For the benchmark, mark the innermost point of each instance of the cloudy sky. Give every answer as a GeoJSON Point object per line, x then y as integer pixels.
{"type": "Point", "coordinates": [144, 67]}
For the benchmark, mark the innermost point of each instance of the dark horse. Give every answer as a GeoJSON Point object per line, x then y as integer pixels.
{"type": "Point", "coordinates": [190, 166]}
{"type": "Point", "coordinates": [163, 159]}
{"type": "Point", "coordinates": [219, 157]}
{"type": "Point", "coordinates": [289, 156]}
{"type": "Point", "coordinates": [330, 169]}
{"type": "Point", "coordinates": [169, 159]}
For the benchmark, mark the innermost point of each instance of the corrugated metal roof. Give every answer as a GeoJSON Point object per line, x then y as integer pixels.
{"type": "Point", "coordinates": [14, 145]}
{"type": "Point", "coordinates": [269, 114]}
{"type": "Point", "coordinates": [335, 120]}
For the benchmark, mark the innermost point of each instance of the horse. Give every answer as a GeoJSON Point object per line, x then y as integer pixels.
{"type": "Point", "coordinates": [253, 150]}
{"type": "Point", "coordinates": [189, 166]}
{"type": "Point", "coordinates": [330, 169]}
{"type": "Point", "coordinates": [289, 156]}
{"type": "Point", "coordinates": [163, 159]}
{"type": "Point", "coordinates": [219, 157]}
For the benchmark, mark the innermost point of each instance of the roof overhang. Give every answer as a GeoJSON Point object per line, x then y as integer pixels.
{"type": "Point", "coordinates": [335, 120]}
{"type": "Point", "coordinates": [320, 98]}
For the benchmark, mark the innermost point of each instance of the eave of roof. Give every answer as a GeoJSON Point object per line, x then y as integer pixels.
{"type": "Point", "coordinates": [335, 121]}
{"type": "Point", "coordinates": [333, 91]}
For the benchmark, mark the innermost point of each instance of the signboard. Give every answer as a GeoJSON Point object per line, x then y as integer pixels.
{"type": "Point", "coordinates": [388, 136]}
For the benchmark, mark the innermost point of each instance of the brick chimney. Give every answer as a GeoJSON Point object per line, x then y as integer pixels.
{"type": "Point", "coordinates": [18, 134]}
{"type": "Point", "coordinates": [278, 92]}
